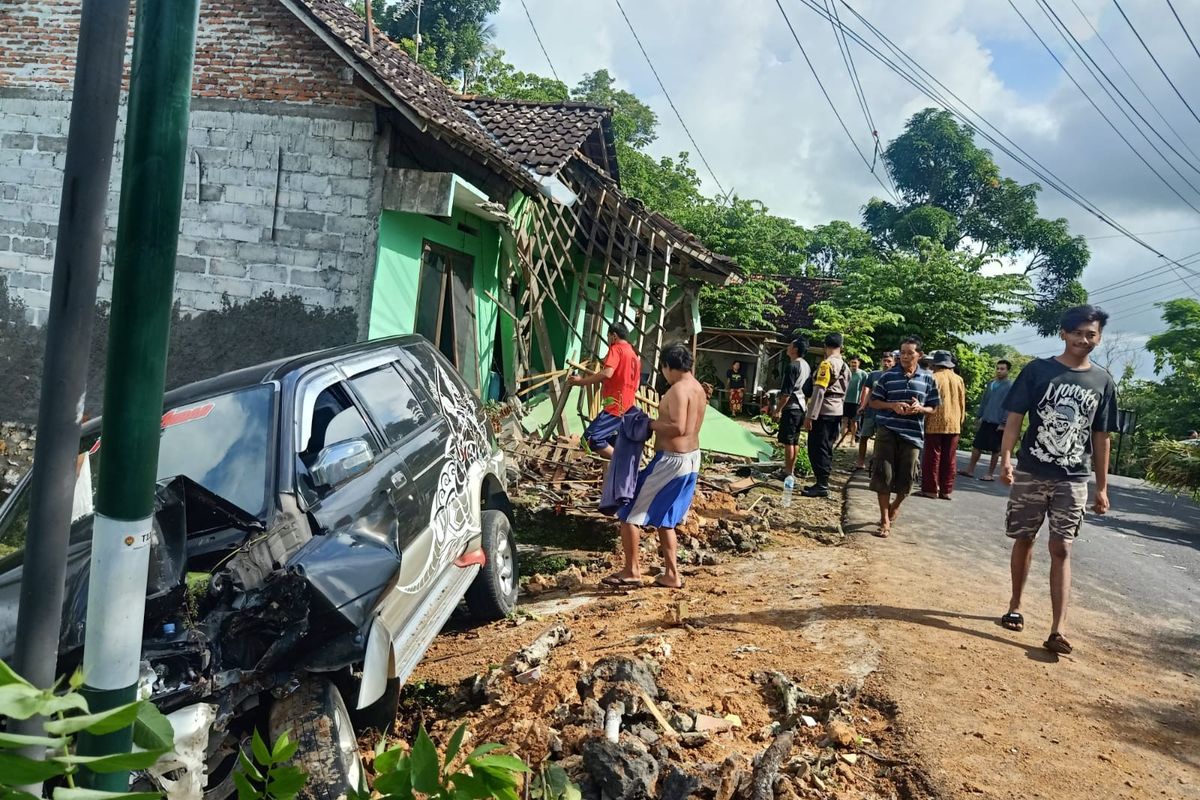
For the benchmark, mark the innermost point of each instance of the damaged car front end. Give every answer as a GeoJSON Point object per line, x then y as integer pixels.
{"type": "Point", "coordinates": [316, 522]}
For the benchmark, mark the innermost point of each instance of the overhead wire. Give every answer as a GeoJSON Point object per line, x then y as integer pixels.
{"type": "Point", "coordinates": [1183, 28]}
{"type": "Point", "coordinates": [999, 139]}
{"type": "Point", "coordinates": [671, 102]}
{"type": "Point", "coordinates": [1105, 117]}
{"type": "Point", "coordinates": [1154, 58]}
{"type": "Point", "coordinates": [1134, 82]}
{"type": "Point", "coordinates": [1097, 72]}
{"type": "Point", "coordinates": [877, 157]}
{"type": "Point", "coordinates": [538, 36]}
{"type": "Point", "coordinates": [829, 99]}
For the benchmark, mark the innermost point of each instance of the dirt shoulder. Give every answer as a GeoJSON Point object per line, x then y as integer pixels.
{"type": "Point", "coordinates": [992, 714]}
{"type": "Point", "coordinates": [754, 646]}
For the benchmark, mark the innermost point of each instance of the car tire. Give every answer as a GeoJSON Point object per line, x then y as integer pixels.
{"type": "Point", "coordinates": [493, 593]}
{"type": "Point", "coordinates": [380, 716]}
{"type": "Point", "coordinates": [316, 718]}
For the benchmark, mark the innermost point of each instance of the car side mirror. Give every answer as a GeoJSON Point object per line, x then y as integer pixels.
{"type": "Point", "coordinates": [341, 461]}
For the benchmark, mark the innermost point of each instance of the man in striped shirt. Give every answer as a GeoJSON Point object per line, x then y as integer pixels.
{"type": "Point", "coordinates": [901, 397]}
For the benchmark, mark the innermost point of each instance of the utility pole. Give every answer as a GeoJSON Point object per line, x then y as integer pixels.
{"type": "Point", "coordinates": [99, 61]}
{"type": "Point", "coordinates": [160, 88]}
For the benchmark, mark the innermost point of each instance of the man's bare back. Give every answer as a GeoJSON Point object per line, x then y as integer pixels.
{"type": "Point", "coordinates": [680, 414]}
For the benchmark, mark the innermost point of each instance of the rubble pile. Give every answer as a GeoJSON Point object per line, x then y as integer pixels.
{"type": "Point", "coordinates": [624, 729]}
{"type": "Point", "coordinates": [16, 454]}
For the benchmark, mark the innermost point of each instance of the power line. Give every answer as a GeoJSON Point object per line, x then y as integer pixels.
{"type": "Point", "coordinates": [1183, 28]}
{"type": "Point", "coordinates": [1150, 53]}
{"type": "Point", "coordinates": [1146, 233]}
{"type": "Point", "coordinates": [1093, 68]}
{"type": "Point", "coordinates": [856, 81]}
{"type": "Point", "coordinates": [829, 99]}
{"type": "Point", "coordinates": [671, 102]}
{"type": "Point", "coordinates": [1134, 81]}
{"type": "Point", "coordinates": [1025, 159]}
{"type": "Point", "coordinates": [538, 36]}
{"type": "Point", "coordinates": [1104, 116]}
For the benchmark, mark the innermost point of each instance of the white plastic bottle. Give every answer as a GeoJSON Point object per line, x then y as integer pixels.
{"type": "Point", "coordinates": [789, 484]}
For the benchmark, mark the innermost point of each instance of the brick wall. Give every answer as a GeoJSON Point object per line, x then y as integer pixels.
{"type": "Point", "coordinates": [271, 106]}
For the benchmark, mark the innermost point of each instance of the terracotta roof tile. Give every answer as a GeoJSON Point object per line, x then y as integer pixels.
{"type": "Point", "coordinates": [540, 136]}
{"type": "Point", "coordinates": [799, 294]}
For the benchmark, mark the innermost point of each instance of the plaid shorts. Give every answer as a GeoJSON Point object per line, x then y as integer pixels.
{"type": "Point", "coordinates": [1034, 499]}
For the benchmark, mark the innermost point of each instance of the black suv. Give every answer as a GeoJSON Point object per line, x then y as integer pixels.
{"type": "Point", "coordinates": [317, 521]}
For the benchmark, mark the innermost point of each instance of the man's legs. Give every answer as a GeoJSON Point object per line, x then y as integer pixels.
{"type": "Point", "coordinates": [1022, 557]}
{"type": "Point", "coordinates": [931, 463]}
{"type": "Point", "coordinates": [630, 548]}
{"type": "Point", "coordinates": [949, 462]}
{"type": "Point", "coordinates": [885, 517]}
{"type": "Point", "coordinates": [789, 458]}
{"type": "Point", "coordinates": [975, 456]}
{"type": "Point", "coordinates": [1060, 582]}
{"type": "Point", "coordinates": [907, 455]}
{"type": "Point", "coordinates": [862, 453]}
{"type": "Point", "coordinates": [667, 545]}
{"type": "Point", "coordinates": [991, 463]}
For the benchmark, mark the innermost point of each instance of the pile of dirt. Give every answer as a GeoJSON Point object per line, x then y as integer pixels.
{"type": "Point", "coordinates": [16, 454]}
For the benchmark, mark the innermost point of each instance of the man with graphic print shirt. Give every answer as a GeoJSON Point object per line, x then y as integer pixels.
{"type": "Point", "coordinates": [1072, 407]}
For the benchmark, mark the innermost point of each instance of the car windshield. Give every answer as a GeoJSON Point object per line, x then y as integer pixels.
{"type": "Point", "coordinates": [220, 443]}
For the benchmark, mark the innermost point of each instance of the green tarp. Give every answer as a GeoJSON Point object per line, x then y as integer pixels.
{"type": "Point", "coordinates": [718, 434]}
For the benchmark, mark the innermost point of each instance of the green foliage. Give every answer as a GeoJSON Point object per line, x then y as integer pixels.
{"type": "Point", "coordinates": [268, 775]}
{"type": "Point", "coordinates": [836, 244]}
{"type": "Point", "coordinates": [668, 185]}
{"type": "Point", "coordinates": [1178, 348]}
{"type": "Point", "coordinates": [552, 783]}
{"type": "Point", "coordinates": [66, 714]}
{"type": "Point", "coordinates": [455, 34]}
{"type": "Point", "coordinates": [1175, 467]}
{"type": "Point", "coordinates": [941, 294]}
{"type": "Point", "coordinates": [497, 78]}
{"type": "Point", "coordinates": [482, 775]}
{"type": "Point", "coordinates": [952, 192]}
{"type": "Point", "coordinates": [748, 305]}
{"type": "Point", "coordinates": [857, 325]}
{"type": "Point", "coordinates": [1010, 353]}
{"type": "Point", "coordinates": [634, 123]}
{"type": "Point", "coordinates": [976, 368]}
{"type": "Point", "coordinates": [762, 243]}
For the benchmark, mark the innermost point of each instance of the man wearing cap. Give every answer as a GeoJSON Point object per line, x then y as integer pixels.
{"type": "Point", "coordinates": [943, 428]}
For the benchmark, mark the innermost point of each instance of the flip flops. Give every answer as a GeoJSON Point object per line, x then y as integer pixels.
{"type": "Point", "coordinates": [1013, 621]}
{"type": "Point", "coordinates": [1057, 644]}
{"type": "Point", "coordinates": [617, 582]}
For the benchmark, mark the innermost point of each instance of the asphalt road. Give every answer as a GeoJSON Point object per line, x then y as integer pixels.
{"type": "Point", "coordinates": [1141, 558]}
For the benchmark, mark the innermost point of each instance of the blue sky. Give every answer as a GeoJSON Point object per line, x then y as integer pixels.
{"type": "Point", "coordinates": [743, 89]}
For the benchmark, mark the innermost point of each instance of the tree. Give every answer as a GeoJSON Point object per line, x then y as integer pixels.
{"type": "Point", "coordinates": [749, 305]}
{"type": "Point", "coordinates": [834, 245]}
{"type": "Point", "coordinates": [1012, 355]}
{"type": "Point", "coordinates": [952, 192]}
{"type": "Point", "coordinates": [454, 33]}
{"type": "Point", "coordinates": [941, 294]}
{"type": "Point", "coordinates": [497, 78]}
{"type": "Point", "coordinates": [762, 243]}
{"type": "Point", "coordinates": [634, 123]}
{"type": "Point", "coordinates": [1119, 353]}
{"type": "Point", "coordinates": [1178, 348]}
{"type": "Point", "coordinates": [856, 324]}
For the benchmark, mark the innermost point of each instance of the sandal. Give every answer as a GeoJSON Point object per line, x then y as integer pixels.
{"type": "Point", "coordinates": [1013, 621]}
{"type": "Point", "coordinates": [660, 585]}
{"type": "Point", "coordinates": [617, 582]}
{"type": "Point", "coordinates": [883, 532]}
{"type": "Point", "coordinates": [966, 474]}
{"type": "Point", "coordinates": [1057, 644]}
{"type": "Point", "coordinates": [987, 478]}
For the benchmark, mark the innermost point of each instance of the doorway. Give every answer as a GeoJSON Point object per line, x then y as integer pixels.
{"type": "Point", "coordinates": [446, 308]}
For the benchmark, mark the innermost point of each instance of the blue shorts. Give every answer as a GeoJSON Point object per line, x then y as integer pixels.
{"type": "Point", "coordinates": [602, 432]}
{"type": "Point", "coordinates": [664, 491]}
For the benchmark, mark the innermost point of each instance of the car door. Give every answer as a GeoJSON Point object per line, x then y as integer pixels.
{"type": "Point", "coordinates": [415, 438]}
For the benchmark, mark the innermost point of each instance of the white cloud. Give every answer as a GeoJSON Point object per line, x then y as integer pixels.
{"type": "Point", "coordinates": [741, 85]}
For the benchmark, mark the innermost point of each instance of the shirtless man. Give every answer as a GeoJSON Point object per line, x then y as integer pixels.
{"type": "Point", "coordinates": [665, 487]}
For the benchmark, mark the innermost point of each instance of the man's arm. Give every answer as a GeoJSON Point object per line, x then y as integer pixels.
{"type": "Point", "coordinates": [589, 380]}
{"type": "Point", "coordinates": [1012, 429]}
{"type": "Point", "coordinates": [1101, 447]}
{"type": "Point", "coordinates": [864, 397]}
{"type": "Point", "coordinates": [674, 422]}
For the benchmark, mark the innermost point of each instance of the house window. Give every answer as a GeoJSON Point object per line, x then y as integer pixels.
{"type": "Point", "coordinates": [446, 308]}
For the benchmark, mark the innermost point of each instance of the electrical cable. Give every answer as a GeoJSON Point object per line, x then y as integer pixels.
{"type": "Point", "coordinates": [1104, 116]}
{"type": "Point", "coordinates": [1093, 68]}
{"type": "Point", "coordinates": [829, 99]}
{"type": "Point", "coordinates": [538, 36]}
{"type": "Point", "coordinates": [1024, 159]}
{"type": "Point", "coordinates": [1150, 53]}
{"type": "Point", "coordinates": [1134, 82]}
{"type": "Point", "coordinates": [1183, 28]}
{"type": "Point", "coordinates": [671, 102]}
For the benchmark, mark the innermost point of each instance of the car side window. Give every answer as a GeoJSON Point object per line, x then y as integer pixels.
{"type": "Point", "coordinates": [335, 419]}
{"type": "Point", "coordinates": [391, 401]}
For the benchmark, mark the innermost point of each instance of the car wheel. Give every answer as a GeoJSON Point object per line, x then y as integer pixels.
{"type": "Point", "coordinates": [493, 593]}
{"type": "Point", "coordinates": [316, 719]}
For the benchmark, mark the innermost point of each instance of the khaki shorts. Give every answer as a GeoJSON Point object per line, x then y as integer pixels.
{"type": "Point", "coordinates": [895, 466]}
{"type": "Point", "coordinates": [1033, 500]}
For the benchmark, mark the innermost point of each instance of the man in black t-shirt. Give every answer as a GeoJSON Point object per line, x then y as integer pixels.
{"type": "Point", "coordinates": [791, 407]}
{"type": "Point", "coordinates": [735, 382]}
{"type": "Point", "coordinates": [1072, 407]}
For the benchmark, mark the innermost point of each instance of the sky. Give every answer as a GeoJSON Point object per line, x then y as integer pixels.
{"type": "Point", "coordinates": [742, 87]}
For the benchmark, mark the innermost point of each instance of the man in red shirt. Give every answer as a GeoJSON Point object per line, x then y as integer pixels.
{"type": "Point", "coordinates": [618, 379]}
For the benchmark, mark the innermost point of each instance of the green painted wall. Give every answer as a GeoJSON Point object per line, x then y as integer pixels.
{"type": "Point", "coordinates": [398, 268]}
